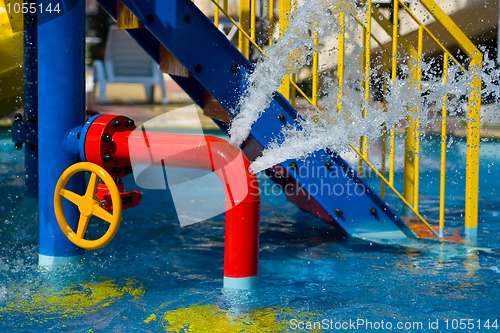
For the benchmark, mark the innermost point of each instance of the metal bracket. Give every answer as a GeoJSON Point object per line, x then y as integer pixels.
{"type": "Point", "coordinates": [24, 131]}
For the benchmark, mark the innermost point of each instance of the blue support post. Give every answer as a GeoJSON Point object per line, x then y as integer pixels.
{"type": "Point", "coordinates": [61, 105]}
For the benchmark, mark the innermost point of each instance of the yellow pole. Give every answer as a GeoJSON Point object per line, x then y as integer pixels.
{"type": "Point", "coordinates": [442, 180]}
{"type": "Point", "coordinates": [384, 134]}
{"type": "Point", "coordinates": [270, 10]}
{"type": "Point", "coordinates": [340, 61]}
{"type": "Point", "coordinates": [253, 18]}
{"type": "Point", "coordinates": [367, 51]}
{"type": "Point", "coordinates": [383, 168]}
{"type": "Point", "coordinates": [412, 133]}
{"type": "Point", "coordinates": [315, 72]}
{"type": "Point", "coordinates": [394, 70]}
{"type": "Point", "coordinates": [472, 155]}
{"type": "Point", "coordinates": [418, 79]}
{"type": "Point", "coordinates": [367, 31]}
{"type": "Point", "coordinates": [216, 13]}
{"type": "Point", "coordinates": [284, 17]}
{"type": "Point", "coordinates": [243, 42]}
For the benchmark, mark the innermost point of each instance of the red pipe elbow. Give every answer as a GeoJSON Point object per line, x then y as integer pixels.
{"type": "Point", "coordinates": [205, 153]}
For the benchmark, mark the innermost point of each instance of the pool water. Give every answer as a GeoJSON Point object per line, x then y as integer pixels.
{"type": "Point", "coordinates": [158, 277]}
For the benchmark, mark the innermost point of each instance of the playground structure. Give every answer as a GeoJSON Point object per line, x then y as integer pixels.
{"type": "Point", "coordinates": [167, 30]}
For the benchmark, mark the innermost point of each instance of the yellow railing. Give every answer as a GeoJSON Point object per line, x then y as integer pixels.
{"type": "Point", "coordinates": [381, 35]}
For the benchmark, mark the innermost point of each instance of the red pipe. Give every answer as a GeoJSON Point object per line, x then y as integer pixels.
{"type": "Point", "coordinates": [206, 153]}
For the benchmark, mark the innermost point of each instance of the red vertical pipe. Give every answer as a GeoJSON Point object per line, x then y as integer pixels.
{"type": "Point", "coordinates": [229, 164]}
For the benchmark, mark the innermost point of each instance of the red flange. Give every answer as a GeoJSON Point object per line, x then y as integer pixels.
{"type": "Point", "coordinates": [101, 145]}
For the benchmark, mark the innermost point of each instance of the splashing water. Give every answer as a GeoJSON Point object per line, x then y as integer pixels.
{"type": "Point", "coordinates": [293, 47]}
{"type": "Point", "coordinates": [326, 128]}
{"type": "Point", "coordinates": [329, 129]}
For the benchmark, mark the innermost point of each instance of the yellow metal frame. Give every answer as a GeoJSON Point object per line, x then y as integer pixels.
{"type": "Point", "coordinates": [399, 50]}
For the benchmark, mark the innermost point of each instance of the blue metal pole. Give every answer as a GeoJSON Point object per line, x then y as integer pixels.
{"type": "Point", "coordinates": [61, 105]}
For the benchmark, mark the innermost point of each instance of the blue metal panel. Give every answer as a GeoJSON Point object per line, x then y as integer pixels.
{"type": "Point", "coordinates": [61, 103]}
{"type": "Point", "coordinates": [169, 8]}
{"type": "Point", "coordinates": [222, 70]}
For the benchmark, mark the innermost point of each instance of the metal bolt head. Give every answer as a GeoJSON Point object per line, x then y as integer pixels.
{"type": "Point", "coordinates": [129, 123]}
{"type": "Point", "coordinates": [339, 212]}
{"type": "Point", "coordinates": [106, 138]}
{"type": "Point", "coordinates": [115, 123]}
{"type": "Point", "coordinates": [107, 158]}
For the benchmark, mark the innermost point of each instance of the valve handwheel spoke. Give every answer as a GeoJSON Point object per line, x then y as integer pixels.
{"type": "Point", "coordinates": [88, 205]}
{"type": "Point", "coordinates": [83, 223]}
{"type": "Point", "coordinates": [71, 196]}
{"type": "Point", "coordinates": [103, 214]}
{"type": "Point", "coordinates": [92, 186]}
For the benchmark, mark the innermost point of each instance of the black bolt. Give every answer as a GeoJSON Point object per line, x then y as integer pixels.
{"type": "Point", "coordinates": [187, 18]}
{"type": "Point", "coordinates": [373, 211]}
{"type": "Point", "coordinates": [116, 170]}
{"type": "Point", "coordinates": [19, 146]}
{"type": "Point", "coordinates": [106, 138]}
{"type": "Point", "coordinates": [197, 68]}
{"type": "Point", "coordinates": [281, 117]}
{"type": "Point", "coordinates": [18, 117]}
{"type": "Point", "coordinates": [328, 164]}
{"type": "Point", "coordinates": [107, 157]}
{"type": "Point", "coordinates": [235, 68]}
{"type": "Point", "coordinates": [339, 212]}
{"type": "Point", "coordinates": [129, 122]}
{"type": "Point", "coordinates": [293, 166]}
{"type": "Point", "coordinates": [115, 123]}
{"type": "Point", "coordinates": [150, 18]}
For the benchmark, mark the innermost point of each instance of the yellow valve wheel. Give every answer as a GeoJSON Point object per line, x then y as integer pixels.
{"type": "Point", "coordinates": [88, 205]}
